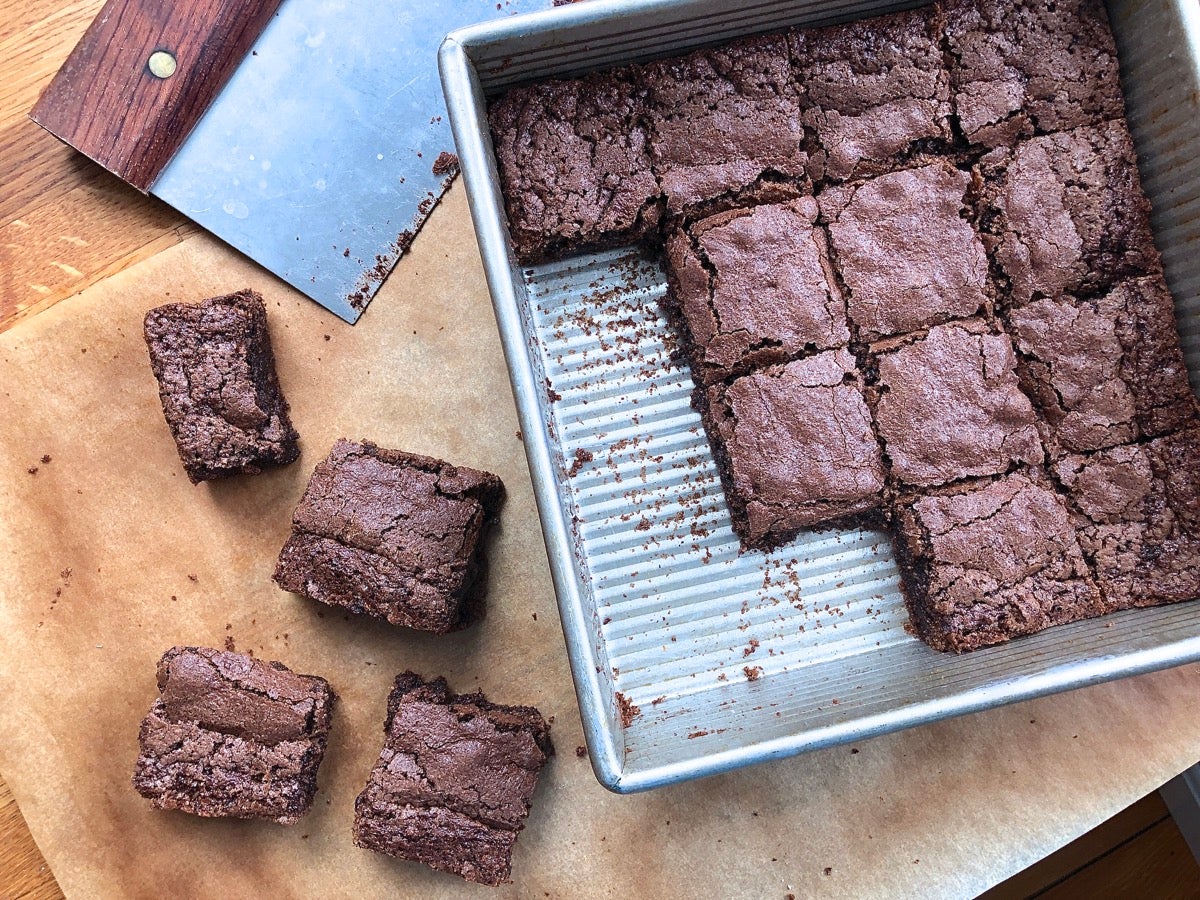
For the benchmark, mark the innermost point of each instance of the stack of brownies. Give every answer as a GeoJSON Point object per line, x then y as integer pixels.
{"type": "Point", "coordinates": [912, 267]}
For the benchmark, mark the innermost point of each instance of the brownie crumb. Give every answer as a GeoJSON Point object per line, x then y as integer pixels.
{"type": "Point", "coordinates": [193, 578]}
{"type": "Point", "coordinates": [753, 673]}
{"type": "Point", "coordinates": [828, 870]}
{"type": "Point", "coordinates": [554, 395]}
{"type": "Point", "coordinates": [46, 459]}
{"type": "Point", "coordinates": [581, 751]}
{"type": "Point", "coordinates": [748, 650]}
{"type": "Point", "coordinates": [229, 644]}
{"type": "Point", "coordinates": [445, 164]}
{"type": "Point", "coordinates": [628, 710]}
{"type": "Point", "coordinates": [582, 457]}
{"type": "Point", "coordinates": [32, 470]}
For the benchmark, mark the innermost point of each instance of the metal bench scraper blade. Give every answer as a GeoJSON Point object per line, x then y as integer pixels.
{"type": "Point", "coordinates": [317, 157]}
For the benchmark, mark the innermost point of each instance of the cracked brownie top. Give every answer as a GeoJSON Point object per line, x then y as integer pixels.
{"type": "Point", "coordinates": [904, 248]}
{"type": "Point", "coordinates": [391, 534]}
{"type": "Point", "coordinates": [795, 446]}
{"type": "Point", "coordinates": [574, 163]}
{"type": "Point", "coordinates": [1138, 514]}
{"type": "Point", "coordinates": [1106, 371]}
{"type": "Point", "coordinates": [755, 286]}
{"type": "Point", "coordinates": [991, 560]}
{"type": "Point", "coordinates": [723, 118]}
{"type": "Point", "coordinates": [873, 89]}
{"type": "Point", "coordinates": [1067, 214]}
{"type": "Point", "coordinates": [948, 406]}
{"type": "Point", "coordinates": [454, 781]}
{"type": "Point", "coordinates": [1019, 67]}
{"type": "Point", "coordinates": [235, 694]}
{"type": "Point", "coordinates": [233, 736]}
{"type": "Point", "coordinates": [217, 383]}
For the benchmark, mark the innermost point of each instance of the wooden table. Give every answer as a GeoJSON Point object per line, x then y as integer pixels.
{"type": "Point", "coordinates": [65, 224]}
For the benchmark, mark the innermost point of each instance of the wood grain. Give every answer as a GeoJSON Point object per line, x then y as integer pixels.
{"type": "Point", "coordinates": [106, 102]}
{"type": "Point", "coordinates": [65, 223]}
{"type": "Point", "coordinates": [1156, 863]}
{"type": "Point", "coordinates": [24, 874]}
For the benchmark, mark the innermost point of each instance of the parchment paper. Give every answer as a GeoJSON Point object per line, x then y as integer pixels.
{"type": "Point", "coordinates": [108, 556]}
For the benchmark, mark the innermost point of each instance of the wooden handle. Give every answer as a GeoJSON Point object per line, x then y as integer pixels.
{"type": "Point", "coordinates": [130, 112]}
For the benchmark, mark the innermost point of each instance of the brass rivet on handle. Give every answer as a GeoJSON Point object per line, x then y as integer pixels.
{"type": "Point", "coordinates": [161, 64]}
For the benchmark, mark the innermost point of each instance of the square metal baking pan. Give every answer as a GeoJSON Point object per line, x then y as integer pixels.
{"type": "Point", "coordinates": [689, 658]}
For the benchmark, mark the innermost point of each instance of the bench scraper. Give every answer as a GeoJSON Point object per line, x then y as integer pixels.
{"type": "Point", "coordinates": [305, 133]}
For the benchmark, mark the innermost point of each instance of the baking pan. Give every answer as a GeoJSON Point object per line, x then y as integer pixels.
{"type": "Point", "coordinates": [689, 658]}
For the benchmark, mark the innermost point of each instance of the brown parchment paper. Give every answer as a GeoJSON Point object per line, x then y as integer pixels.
{"type": "Point", "coordinates": [108, 556]}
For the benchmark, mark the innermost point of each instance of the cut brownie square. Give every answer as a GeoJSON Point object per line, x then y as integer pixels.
{"type": "Point", "coordinates": [574, 164]}
{"type": "Point", "coordinates": [1138, 512]}
{"type": "Point", "coordinates": [722, 119]}
{"type": "Point", "coordinates": [991, 560]}
{"type": "Point", "coordinates": [392, 535]}
{"type": "Point", "coordinates": [752, 287]}
{"type": "Point", "coordinates": [1067, 213]}
{"type": "Point", "coordinates": [233, 736]}
{"type": "Point", "coordinates": [1020, 67]}
{"type": "Point", "coordinates": [875, 90]}
{"type": "Point", "coordinates": [905, 251]}
{"type": "Point", "coordinates": [794, 447]}
{"type": "Point", "coordinates": [453, 784]}
{"type": "Point", "coordinates": [1106, 371]}
{"type": "Point", "coordinates": [217, 382]}
{"type": "Point", "coordinates": [948, 405]}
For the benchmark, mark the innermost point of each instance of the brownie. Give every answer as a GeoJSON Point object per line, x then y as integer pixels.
{"type": "Point", "coordinates": [1106, 371]}
{"type": "Point", "coordinates": [217, 382]}
{"type": "Point", "coordinates": [1138, 514]}
{"type": "Point", "coordinates": [907, 255]}
{"type": "Point", "coordinates": [392, 535]}
{"type": "Point", "coordinates": [1020, 67]}
{"type": "Point", "coordinates": [991, 560]}
{"type": "Point", "coordinates": [453, 784]}
{"type": "Point", "coordinates": [233, 736]}
{"type": "Point", "coordinates": [722, 119]}
{"type": "Point", "coordinates": [574, 164]}
{"type": "Point", "coordinates": [794, 447]}
{"type": "Point", "coordinates": [1067, 213]}
{"type": "Point", "coordinates": [948, 406]}
{"type": "Point", "coordinates": [752, 287]}
{"type": "Point", "coordinates": [875, 90]}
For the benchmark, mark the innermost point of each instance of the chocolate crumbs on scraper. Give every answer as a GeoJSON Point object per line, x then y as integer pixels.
{"type": "Point", "coordinates": [445, 164]}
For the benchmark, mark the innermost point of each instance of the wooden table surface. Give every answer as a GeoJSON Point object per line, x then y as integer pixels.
{"type": "Point", "coordinates": [64, 225]}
